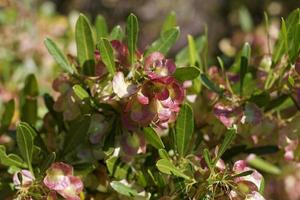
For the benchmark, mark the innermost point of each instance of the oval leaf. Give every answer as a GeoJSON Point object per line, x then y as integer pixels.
{"type": "Point", "coordinates": [165, 166]}
{"type": "Point", "coordinates": [123, 189]}
{"type": "Point", "coordinates": [58, 56]}
{"type": "Point", "coordinates": [184, 129]}
{"type": "Point", "coordinates": [107, 55]}
{"type": "Point", "coordinates": [132, 29]}
{"type": "Point", "coordinates": [85, 45]}
{"type": "Point", "coordinates": [186, 73]}
{"type": "Point", "coordinates": [164, 43]}
{"type": "Point", "coordinates": [153, 139]}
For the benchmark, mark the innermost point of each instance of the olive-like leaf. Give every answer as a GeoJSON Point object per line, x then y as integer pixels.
{"type": "Point", "coordinates": [117, 33]}
{"type": "Point", "coordinates": [80, 92]}
{"type": "Point", "coordinates": [263, 165]}
{"type": "Point", "coordinates": [229, 137]}
{"type": "Point", "coordinates": [101, 27]}
{"type": "Point", "coordinates": [165, 42]}
{"type": "Point", "coordinates": [85, 45]}
{"type": "Point", "coordinates": [123, 189]}
{"type": "Point", "coordinates": [184, 129]}
{"type": "Point", "coordinates": [29, 100]}
{"type": "Point", "coordinates": [186, 73]}
{"type": "Point", "coordinates": [25, 141]}
{"type": "Point", "coordinates": [10, 159]}
{"type": "Point", "coordinates": [153, 138]}
{"type": "Point", "coordinates": [169, 22]}
{"type": "Point", "coordinates": [9, 109]}
{"type": "Point", "coordinates": [165, 166]}
{"type": "Point", "coordinates": [132, 30]}
{"type": "Point", "coordinates": [58, 56]}
{"type": "Point", "coordinates": [107, 55]}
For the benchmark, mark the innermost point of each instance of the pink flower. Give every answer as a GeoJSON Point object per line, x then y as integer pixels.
{"type": "Point", "coordinates": [121, 87]}
{"type": "Point", "coordinates": [227, 114]}
{"type": "Point", "coordinates": [252, 181]}
{"type": "Point", "coordinates": [156, 66]}
{"type": "Point", "coordinates": [60, 179]}
{"type": "Point", "coordinates": [23, 179]}
{"type": "Point", "coordinates": [297, 66]}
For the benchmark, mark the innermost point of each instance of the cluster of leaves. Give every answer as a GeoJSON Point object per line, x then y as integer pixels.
{"type": "Point", "coordinates": [135, 127]}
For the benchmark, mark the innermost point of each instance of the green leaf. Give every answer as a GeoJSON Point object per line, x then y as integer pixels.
{"type": "Point", "coordinates": [229, 137]}
{"type": "Point", "coordinates": [263, 165]}
{"type": "Point", "coordinates": [117, 33]}
{"type": "Point", "coordinates": [169, 22]}
{"type": "Point", "coordinates": [163, 154]}
{"type": "Point", "coordinates": [209, 84]}
{"type": "Point", "coordinates": [10, 159]}
{"type": "Point", "coordinates": [107, 55]}
{"type": "Point", "coordinates": [58, 56]}
{"type": "Point", "coordinates": [164, 43]}
{"type": "Point", "coordinates": [276, 102]}
{"type": "Point", "coordinates": [288, 42]}
{"type": "Point", "coordinates": [245, 19]}
{"type": "Point", "coordinates": [101, 27]}
{"type": "Point", "coordinates": [76, 134]}
{"type": "Point", "coordinates": [186, 73]}
{"type": "Point", "coordinates": [245, 57]}
{"type": "Point", "coordinates": [85, 45]}
{"type": "Point", "coordinates": [116, 168]}
{"type": "Point", "coordinates": [28, 100]}
{"type": "Point", "coordinates": [183, 58]}
{"type": "Point", "coordinates": [207, 158]}
{"type": "Point", "coordinates": [153, 138]}
{"type": "Point", "coordinates": [80, 92]}
{"type": "Point", "coordinates": [165, 166]}
{"type": "Point", "coordinates": [132, 30]}
{"type": "Point", "coordinates": [184, 129]}
{"type": "Point", "coordinates": [25, 138]}
{"type": "Point", "coordinates": [7, 114]}
{"type": "Point", "coordinates": [123, 189]}
{"type": "Point", "coordinates": [193, 54]}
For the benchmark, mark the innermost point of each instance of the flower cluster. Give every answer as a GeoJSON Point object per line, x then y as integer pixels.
{"type": "Point", "coordinates": [60, 178]}
{"type": "Point", "coordinates": [152, 96]}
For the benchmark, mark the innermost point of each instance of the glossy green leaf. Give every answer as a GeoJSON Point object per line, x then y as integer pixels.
{"type": "Point", "coordinates": [9, 109]}
{"type": "Point", "coordinates": [132, 30]}
{"type": "Point", "coordinates": [117, 33]}
{"type": "Point", "coordinates": [76, 134]}
{"type": "Point", "coordinates": [165, 42]}
{"type": "Point", "coordinates": [193, 54]}
{"type": "Point", "coordinates": [123, 189]}
{"type": "Point", "coordinates": [229, 137]}
{"type": "Point", "coordinates": [80, 92]}
{"type": "Point", "coordinates": [209, 84]}
{"type": "Point", "coordinates": [153, 138]}
{"type": "Point", "coordinates": [58, 56]}
{"type": "Point", "coordinates": [186, 73]}
{"type": "Point", "coordinates": [184, 129]}
{"type": "Point", "coordinates": [101, 27]}
{"type": "Point", "coordinates": [29, 100]}
{"type": "Point", "coordinates": [163, 154]}
{"type": "Point", "coordinates": [263, 165]}
{"type": "Point", "coordinates": [85, 45]}
{"type": "Point", "coordinates": [107, 55]}
{"type": "Point", "coordinates": [169, 22]}
{"type": "Point", "coordinates": [10, 159]}
{"type": "Point", "coordinates": [165, 166]}
{"type": "Point", "coordinates": [116, 168]}
{"type": "Point", "coordinates": [25, 140]}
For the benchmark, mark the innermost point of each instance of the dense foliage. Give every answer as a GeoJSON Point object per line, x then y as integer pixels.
{"type": "Point", "coordinates": [132, 124]}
